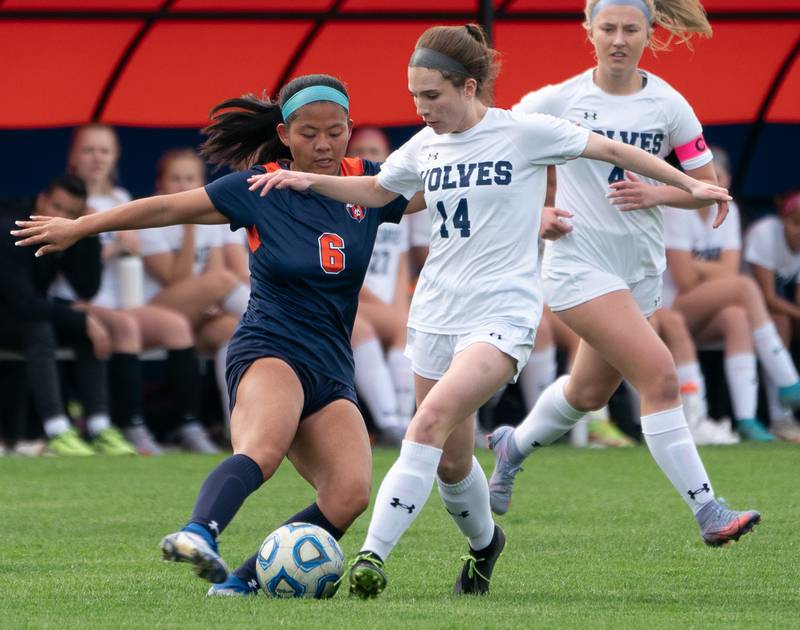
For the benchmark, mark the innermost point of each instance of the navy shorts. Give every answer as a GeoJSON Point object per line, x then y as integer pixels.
{"type": "Point", "coordinates": [318, 390]}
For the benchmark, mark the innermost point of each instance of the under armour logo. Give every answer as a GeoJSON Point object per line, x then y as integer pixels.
{"type": "Point", "coordinates": [253, 584]}
{"type": "Point", "coordinates": [433, 156]}
{"type": "Point", "coordinates": [657, 302]}
{"type": "Point", "coordinates": [496, 335]}
{"type": "Point", "coordinates": [693, 493]}
{"type": "Point", "coordinates": [588, 115]}
{"type": "Point", "coordinates": [214, 526]}
{"type": "Point", "coordinates": [463, 514]}
{"type": "Point", "coordinates": [396, 503]}
{"type": "Point", "coordinates": [535, 444]}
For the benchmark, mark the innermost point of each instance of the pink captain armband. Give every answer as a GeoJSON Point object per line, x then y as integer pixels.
{"type": "Point", "coordinates": [692, 149]}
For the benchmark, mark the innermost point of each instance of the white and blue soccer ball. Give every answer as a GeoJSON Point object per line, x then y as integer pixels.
{"type": "Point", "coordinates": [300, 560]}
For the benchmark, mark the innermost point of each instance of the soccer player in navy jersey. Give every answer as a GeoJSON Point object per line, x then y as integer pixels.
{"type": "Point", "coordinates": [290, 365]}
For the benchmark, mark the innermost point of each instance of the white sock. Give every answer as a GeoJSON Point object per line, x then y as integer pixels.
{"type": "Point", "coordinates": [672, 446]}
{"type": "Point", "coordinates": [236, 301]}
{"type": "Point", "coordinates": [773, 355]}
{"type": "Point", "coordinates": [220, 360]}
{"type": "Point", "coordinates": [401, 496]}
{"type": "Point", "coordinates": [551, 417]}
{"type": "Point", "coordinates": [374, 383]}
{"type": "Point", "coordinates": [741, 373]}
{"type": "Point", "coordinates": [97, 422]}
{"type": "Point", "coordinates": [691, 373]}
{"type": "Point", "coordinates": [403, 379]}
{"type": "Point", "coordinates": [537, 375]}
{"type": "Point", "coordinates": [467, 502]}
{"type": "Point", "coordinates": [56, 425]}
{"type": "Point", "coordinates": [777, 412]}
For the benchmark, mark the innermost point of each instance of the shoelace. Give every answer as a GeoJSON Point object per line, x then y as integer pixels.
{"type": "Point", "coordinates": [472, 570]}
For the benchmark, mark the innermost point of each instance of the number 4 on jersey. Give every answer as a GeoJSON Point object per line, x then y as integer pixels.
{"type": "Point", "coordinates": [617, 175]}
{"type": "Point", "coordinates": [460, 218]}
{"type": "Point", "coordinates": [331, 252]}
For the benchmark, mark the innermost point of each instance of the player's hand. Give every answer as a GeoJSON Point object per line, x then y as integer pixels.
{"type": "Point", "coordinates": [98, 335]}
{"type": "Point", "coordinates": [54, 234]}
{"type": "Point", "coordinates": [553, 227]}
{"type": "Point", "coordinates": [632, 194]}
{"type": "Point", "coordinates": [281, 179]}
{"type": "Point", "coordinates": [712, 192]}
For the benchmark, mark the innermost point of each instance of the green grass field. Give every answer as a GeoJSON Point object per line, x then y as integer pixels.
{"type": "Point", "coordinates": [595, 539]}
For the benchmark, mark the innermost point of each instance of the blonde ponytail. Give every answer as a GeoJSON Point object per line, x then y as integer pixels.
{"type": "Point", "coordinates": [682, 19]}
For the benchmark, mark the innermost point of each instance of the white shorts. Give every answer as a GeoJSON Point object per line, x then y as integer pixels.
{"type": "Point", "coordinates": [569, 288]}
{"type": "Point", "coordinates": [432, 353]}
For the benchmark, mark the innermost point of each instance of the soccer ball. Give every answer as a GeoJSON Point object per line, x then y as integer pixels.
{"type": "Point", "coordinates": [300, 560]}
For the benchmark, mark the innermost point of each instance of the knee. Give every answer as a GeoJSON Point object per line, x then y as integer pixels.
{"type": "Point", "coordinates": [220, 281]}
{"type": "Point", "coordinates": [125, 333]}
{"type": "Point", "coordinates": [176, 330]}
{"type": "Point", "coordinates": [429, 425]}
{"type": "Point", "coordinates": [748, 288]}
{"type": "Point", "coordinates": [734, 322]}
{"type": "Point", "coordinates": [587, 396]}
{"type": "Point", "coordinates": [346, 499]}
{"type": "Point", "coordinates": [453, 469]}
{"type": "Point", "coordinates": [660, 386]}
{"type": "Point", "coordinates": [267, 458]}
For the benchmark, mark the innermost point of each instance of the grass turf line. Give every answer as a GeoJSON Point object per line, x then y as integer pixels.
{"type": "Point", "coordinates": [595, 539]}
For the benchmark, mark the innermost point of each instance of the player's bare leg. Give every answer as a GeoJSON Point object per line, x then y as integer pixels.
{"type": "Point", "coordinates": [474, 375]}
{"type": "Point", "coordinates": [625, 344]}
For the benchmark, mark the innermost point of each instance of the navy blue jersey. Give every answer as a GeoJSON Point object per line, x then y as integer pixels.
{"type": "Point", "coordinates": [308, 258]}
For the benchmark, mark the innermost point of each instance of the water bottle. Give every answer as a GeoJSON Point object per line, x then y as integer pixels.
{"type": "Point", "coordinates": [130, 275]}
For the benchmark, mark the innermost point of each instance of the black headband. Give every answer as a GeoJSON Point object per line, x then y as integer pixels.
{"type": "Point", "coordinates": [433, 59]}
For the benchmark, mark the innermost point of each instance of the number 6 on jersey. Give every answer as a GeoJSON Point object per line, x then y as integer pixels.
{"type": "Point", "coordinates": [331, 252]}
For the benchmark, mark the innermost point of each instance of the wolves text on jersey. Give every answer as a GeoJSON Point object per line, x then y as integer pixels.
{"type": "Point", "coordinates": [466, 175]}
{"type": "Point", "coordinates": [650, 142]}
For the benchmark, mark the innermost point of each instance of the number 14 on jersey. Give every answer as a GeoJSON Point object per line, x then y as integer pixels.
{"type": "Point", "coordinates": [460, 218]}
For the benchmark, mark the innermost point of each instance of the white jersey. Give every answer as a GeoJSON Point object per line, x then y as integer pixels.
{"type": "Point", "coordinates": [391, 243]}
{"type": "Point", "coordinates": [657, 119]}
{"type": "Point", "coordinates": [108, 293]}
{"type": "Point", "coordinates": [765, 245]}
{"type": "Point", "coordinates": [685, 230]}
{"type": "Point", "coordinates": [484, 190]}
{"type": "Point", "coordinates": [419, 229]}
{"type": "Point", "coordinates": [168, 239]}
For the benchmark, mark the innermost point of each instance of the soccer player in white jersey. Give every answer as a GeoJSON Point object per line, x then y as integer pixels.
{"type": "Point", "coordinates": [604, 278]}
{"type": "Point", "coordinates": [478, 302]}
{"type": "Point", "coordinates": [772, 253]}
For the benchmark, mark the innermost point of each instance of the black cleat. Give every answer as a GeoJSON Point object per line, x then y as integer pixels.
{"type": "Point", "coordinates": [478, 565]}
{"type": "Point", "coordinates": [367, 579]}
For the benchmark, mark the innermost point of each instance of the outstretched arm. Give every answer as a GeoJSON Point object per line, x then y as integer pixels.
{"type": "Point", "coordinates": [365, 191]}
{"type": "Point", "coordinates": [56, 234]}
{"type": "Point", "coordinates": [634, 159]}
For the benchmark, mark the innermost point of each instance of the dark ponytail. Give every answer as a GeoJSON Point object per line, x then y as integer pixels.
{"type": "Point", "coordinates": [243, 130]}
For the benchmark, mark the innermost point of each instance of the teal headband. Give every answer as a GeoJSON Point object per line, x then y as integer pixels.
{"type": "Point", "coordinates": [310, 95]}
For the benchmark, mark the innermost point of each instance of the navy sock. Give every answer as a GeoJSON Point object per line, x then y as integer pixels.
{"type": "Point", "coordinates": [224, 491]}
{"type": "Point", "coordinates": [312, 514]}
